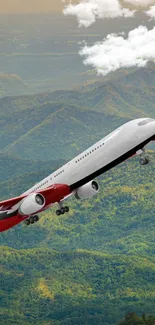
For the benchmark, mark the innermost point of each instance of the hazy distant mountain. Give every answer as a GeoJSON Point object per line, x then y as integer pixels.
{"type": "Point", "coordinates": [11, 84]}
{"type": "Point", "coordinates": [44, 49]}
{"type": "Point", "coordinates": [62, 123]}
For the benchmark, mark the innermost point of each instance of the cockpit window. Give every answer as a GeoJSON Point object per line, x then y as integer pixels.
{"type": "Point", "coordinates": [146, 121]}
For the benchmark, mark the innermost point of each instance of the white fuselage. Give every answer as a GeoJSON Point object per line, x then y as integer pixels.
{"type": "Point", "coordinates": [121, 141]}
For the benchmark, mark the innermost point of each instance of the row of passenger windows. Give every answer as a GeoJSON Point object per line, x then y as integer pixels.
{"type": "Point", "coordinates": [89, 153]}
{"type": "Point", "coordinates": [61, 171]}
{"type": "Point", "coordinates": [41, 185]}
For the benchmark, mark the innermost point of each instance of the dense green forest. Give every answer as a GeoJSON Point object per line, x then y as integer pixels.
{"type": "Point", "coordinates": [91, 266]}
{"type": "Point", "coordinates": [133, 319]}
{"type": "Point", "coordinates": [80, 287]}
{"type": "Point", "coordinates": [96, 264]}
{"type": "Point", "coordinates": [119, 219]}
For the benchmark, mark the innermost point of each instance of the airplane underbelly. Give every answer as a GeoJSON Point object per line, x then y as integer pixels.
{"type": "Point", "coordinates": [8, 223]}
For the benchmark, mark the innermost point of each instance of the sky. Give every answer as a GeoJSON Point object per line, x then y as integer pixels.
{"type": "Point", "coordinates": [115, 51]}
{"type": "Point", "coordinates": [31, 6]}
{"type": "Point", "coordinates": [47, 6]}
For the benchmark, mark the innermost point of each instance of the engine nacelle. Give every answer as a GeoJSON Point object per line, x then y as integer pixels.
{"type": "Point", "coordinates": [87, 191]}
{"type": "Point", "coordinates": [32, 204]}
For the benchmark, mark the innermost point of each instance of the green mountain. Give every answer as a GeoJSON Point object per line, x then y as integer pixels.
{"type": "Point", "coordinates": [17, 174]}
{"type": "Point", "coordinates": [96, 263]}
{"type": "Point", "coordinates": [120, 219]}
{"type": "Point", "coordinates": [132, 318]}
{"type": "Point", "coordinates": [13, 167]}
{"type": "Point", "coordinates": [103, 264]}
{"type": "Point", "coordinates": [91, 266]}
{"type": "Point", "coordinates": [12, 84]}
{"type": "Point", "coordinates": [47, 135]}
{"type": "Point", "coordinates": [42, 286]}
{"type": "Point", "coordinates": [60, 124]}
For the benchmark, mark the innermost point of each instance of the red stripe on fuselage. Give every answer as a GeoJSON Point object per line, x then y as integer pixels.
{"type": "Point", "coordinates": [52, 195]}
{"type": "Point", "coordinates": [10, 222]}
{"type": "Point", "coordinates": [55, 193]}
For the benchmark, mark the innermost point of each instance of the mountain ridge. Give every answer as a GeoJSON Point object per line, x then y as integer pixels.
{"type": "Point", "coordinates": [96, 263]}
{"type": "Point", "coordinates": [74, 119]}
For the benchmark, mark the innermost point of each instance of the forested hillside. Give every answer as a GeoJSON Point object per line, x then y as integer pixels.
{"type": "Point", "coordinates": [80, 287]}
{"type": "Point", "coordinates": [95, 264]}
{"type": "Point", "coordinates": [60, 124]}
{"type": "Point", "coordinates": [132, 318]}
{"type": "Point", "coordinates": [119, 219]}
{"type": "Point", "coordinates": [103, 262]}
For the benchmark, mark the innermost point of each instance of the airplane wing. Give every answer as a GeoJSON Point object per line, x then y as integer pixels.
{"type": "Point", "coordinates": [55, 193]}
{"type": "Point", "coordinates": [52, 194]}
{"type": "Point", "coordinates": [8, 204]}
{"type": "Point", "coordinates": [9, 216]}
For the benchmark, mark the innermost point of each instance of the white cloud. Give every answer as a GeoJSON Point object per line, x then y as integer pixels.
{"type": "Point", "coordinates": [151, 12]}
{"type": "Point", "coordinates": [88, 11]}
{"type": "Point", "coordinates": [142, 3]}
{"type": "Point", "coordinates": [116, 52]}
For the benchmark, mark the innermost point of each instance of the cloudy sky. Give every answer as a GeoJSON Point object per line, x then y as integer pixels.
{"type": "Point", "coordinates": [115, 51]}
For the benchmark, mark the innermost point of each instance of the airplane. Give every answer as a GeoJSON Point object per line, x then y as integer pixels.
{"type": "Point", "coordinates": [77, 176]}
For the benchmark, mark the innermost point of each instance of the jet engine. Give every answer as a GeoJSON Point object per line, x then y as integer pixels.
{"type": "Point", "coordinates": [32, 204]}
{"type": "Point", "coordinates": [87, 191]}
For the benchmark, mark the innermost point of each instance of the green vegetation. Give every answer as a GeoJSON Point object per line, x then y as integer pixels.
{"type": "Point", "coordinates": [81, 287]}
{"type": "Point", "coordinates": [95, 264]}
{"type": "Point", "coordinates": [74, 119]}
{"type": "Point", "coordinates": [133, 319]}
{"type": "Point", "coordinates": [91, 266]}
{"type": "Point", "coordinates": [120, 219]}
{"type": "Point", "coordinates": [11, 84]}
